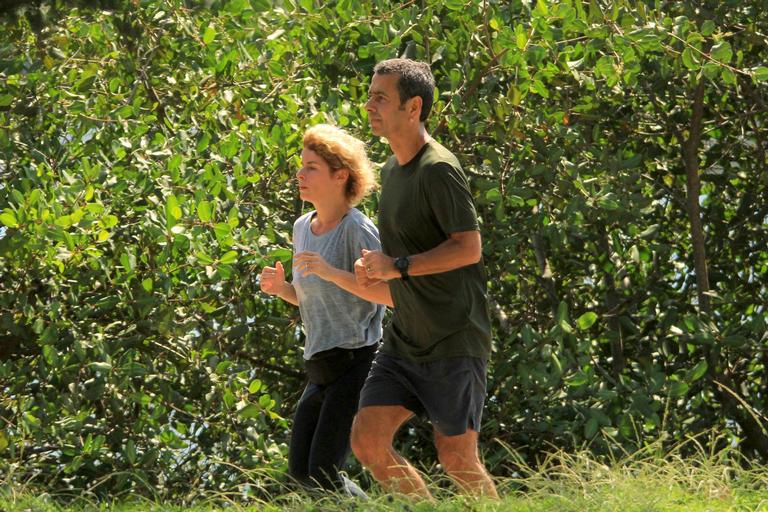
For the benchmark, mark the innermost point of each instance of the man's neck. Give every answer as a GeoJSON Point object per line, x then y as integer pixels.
{"type": "Point", "coordinates": [407, 145]}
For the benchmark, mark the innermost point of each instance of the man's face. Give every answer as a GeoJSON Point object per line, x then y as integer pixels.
{"type": "Point", "coordinates": [385, 113]}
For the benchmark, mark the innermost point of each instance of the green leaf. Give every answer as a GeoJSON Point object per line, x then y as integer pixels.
{"type": "Point", "coordinates": [172, 209]}
{"type": "Point", "coordinates": [232, 217]}
{"type": "Point", "coordinates": [204, 211]}
{"type": "Point", "coordinates": [493, 195]}
{"type": "Point", "coordinates": [250, 411]}
{"type": "Point", "coordinates": [174, 162]}
{"type": "Point", "coordinates": [203, 143]}
{"type": "Point", "coordinates": [562, 318]}
{"type": "Point", "coordinates": [538, 87]}
{"type": "Point", "coordinates": [238, 331]}
{"type": "Point", "coordinates": [578, 379]}
{"type": "Point", "coordinates": [51, 355]}
{"type": "Point", "coordinates": [521, 37]}
{"type": "Point", "coordinates": [735, 341]}
{"type": "Point", "coordinates": [678, 389]}
{"type": "Point", "coordinates": [760, 73]}
{"type": "Point", "coordinates": [609, 202]}
{"type": "Point", "coordinates": [455, 5]}
{"type": "Point", "coordinates": [722, 52]}
{"type": "Point", "coordinates": [209, 35]}
{"type": "Point", "coordinates": [254, 386]}
{"type": "Point", "coordinates": [697, 371]}
{"type": "Point", "coordinates": [586, 320]}
{"type": "Point", "coordinates": [208, 308]}
{"type": "Point", "coordinates": [222, 231]}
{"type": "Point", "coordinates": [690, 60]}
{"type": "Point", "coordinates": [708, 27]}
{"type": "Point", "coordinates": [124, 112]}
{"type": "Point", "coordinates": [110, 221]}
{"type": "Point", "coordinates": [35, 195]}
{"type": "Point", "coordinates": [283, 255]}
{"type": "Point", "coordinates": [228, 258]}
{"type": "Point", "coordinates": [729, 76]}
{"type": "Point", "coordinates": [650, 232]}
{"type": "Point", "coordinates": [9, 219]}
{"type": "Point", "coordinates": [101, 366]}
{"type": "Point", "coordinates": [590, 428]}
{"type": "Point", "coordinates": [236, 7]}
{"type": "Point", "coordinates": [230, 147]}
{"type": "Point", "coordinates": [204, 258]}
{"type": "Point", "coordinates": [130, 451]}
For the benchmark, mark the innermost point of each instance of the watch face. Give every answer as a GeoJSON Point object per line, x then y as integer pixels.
{"type": "Point", "coordinates": [401, 263]}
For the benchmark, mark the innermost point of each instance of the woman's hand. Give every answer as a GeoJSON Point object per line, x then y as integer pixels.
{"type": "Point", "coordinates": [379, 266]}
{"type": "Point", "coordinates": [272, 279]}
{"type": "Point", "coordinates": [361, 275]}
{"type": "Point", "coordinates": [311, 263]}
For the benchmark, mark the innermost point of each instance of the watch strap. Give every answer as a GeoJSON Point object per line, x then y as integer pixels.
{"type": "Point", "coordinates": [402, 263]}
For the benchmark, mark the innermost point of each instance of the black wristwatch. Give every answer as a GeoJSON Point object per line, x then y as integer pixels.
{"type": "Point", "coordinates": [402, 264]}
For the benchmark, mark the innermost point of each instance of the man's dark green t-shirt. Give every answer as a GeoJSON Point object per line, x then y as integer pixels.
{"type": "Point", "coordinates": [440, 315]}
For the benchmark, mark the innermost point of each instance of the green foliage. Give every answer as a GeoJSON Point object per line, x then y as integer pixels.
{"type": "Point", "coordinates": [147, 150]}
{"type": "Point", "coordinates": [568, 482]}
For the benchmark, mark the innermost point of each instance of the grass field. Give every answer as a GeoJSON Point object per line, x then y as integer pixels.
{"type": "Point", "coordinates": [562, 483]}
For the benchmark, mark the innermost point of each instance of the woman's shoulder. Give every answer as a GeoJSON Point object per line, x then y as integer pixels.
{"type": "Point", "coordinates": [359, 219]}
{"type": "Point", "coordinates": [303, 220]}
{"type": "Point", "coordinates": [360, 229]}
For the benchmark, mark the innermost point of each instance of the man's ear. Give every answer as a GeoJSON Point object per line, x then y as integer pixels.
{"type": "Point", "coordinates": [414, 107]}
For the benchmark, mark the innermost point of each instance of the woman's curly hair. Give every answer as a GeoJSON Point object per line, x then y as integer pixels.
{"type": "Point", "coordinates": [343, 151]}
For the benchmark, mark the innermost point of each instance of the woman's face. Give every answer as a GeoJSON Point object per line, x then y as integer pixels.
{"type": "Point", "coordinates": [316, 181]}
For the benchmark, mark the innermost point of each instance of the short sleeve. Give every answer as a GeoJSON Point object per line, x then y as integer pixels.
{"type": "Point", "coordinates": [299, 237]}
{"type": "Point", "coordinates": [364, 236]}
{"type": "Point", "coordinates": [450, 199]}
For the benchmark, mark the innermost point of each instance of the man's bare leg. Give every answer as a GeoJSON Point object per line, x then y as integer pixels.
{"type": "Point", "coordinates": [373, 431]}
{"type": "Point", "coordinates": [460, 458]}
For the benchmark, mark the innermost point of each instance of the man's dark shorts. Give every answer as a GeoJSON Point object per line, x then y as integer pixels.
{"type": "Point", "coordinates": [450, 391]}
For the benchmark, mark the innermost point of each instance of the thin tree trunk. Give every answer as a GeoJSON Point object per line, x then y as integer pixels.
{"type": "Point", "coordinates": [611, 309]}
{"type": "Point", "coordinates": [756, 436]}
{"type": "Point", "coordinates": [545, 271]}
{"type": "Point", "coordinates": [693, 191]}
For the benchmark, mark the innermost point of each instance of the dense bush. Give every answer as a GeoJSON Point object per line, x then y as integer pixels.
{"type": "Point", "coordinates": [617, 151]}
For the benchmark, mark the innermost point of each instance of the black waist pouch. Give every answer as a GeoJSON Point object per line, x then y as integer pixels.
{"type": "Point", "coordinates": [325, 367]}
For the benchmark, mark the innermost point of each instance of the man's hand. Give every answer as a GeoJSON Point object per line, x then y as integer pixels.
{"type": "Point", "coordinates": [379, 266]}
{"type": "Point", "coordinates": [272, 279]}
{"type": "Point", "coordinates": [361, 276]}
{"type": "Point", "coordinates": [311, 263]}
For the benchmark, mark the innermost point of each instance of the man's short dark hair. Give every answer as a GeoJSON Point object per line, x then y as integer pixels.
{"type": "Point", "coordinates": [415, 80]}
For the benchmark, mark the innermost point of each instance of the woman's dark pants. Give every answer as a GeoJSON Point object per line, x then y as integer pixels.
{"type": "Point", "coordinates": [321, 428]}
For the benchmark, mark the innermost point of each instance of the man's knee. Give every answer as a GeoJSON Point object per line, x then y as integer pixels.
{"type": "Point", "coordinates": [364, 441]}
{"type": "Point", "coordinates": [373, 430]}
{"type": "Point", "coordinates": [455, 461]}
{"type": "Point", "coordinates": [457, 454]}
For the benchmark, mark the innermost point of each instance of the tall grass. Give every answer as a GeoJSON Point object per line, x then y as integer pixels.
{"type": "Point", "coordinates": [645, 481]}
